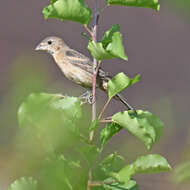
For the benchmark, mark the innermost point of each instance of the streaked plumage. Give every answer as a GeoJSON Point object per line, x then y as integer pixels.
{"type": "Point", "coordinates": [75, 66]}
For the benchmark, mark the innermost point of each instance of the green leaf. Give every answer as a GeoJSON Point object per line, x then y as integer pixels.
{"type": "Point", "coordinates": [116, 48]}
{"type": "Point", "coordinates": [73, 10]}
{"type": "Point", "coordinates": [152, 163]}
{"type": "Point", "coordinates": [144, 164]}
{"type": "Point", "coordinates": [57, 172]}
{"type": "Point", "coordinates": [110, 47]}
{"type": "Point", "coordinates": [112, 164]}
{"type": "Point", "coordinates": [94, 125]}
{"type": "Point", "coordinates": [24, 184]}
{"type": "Point", "coordinates": [130, 185]}
{"type": "Point", "coordinates": [38, 108]}
{"type": "Point", "coordinates": [109, 131]}
{"type": "Point", "coordinates": [144, 125]}
{"type": "Point", "coordinates": [126, 173]}
{"type": "Point", "coordinates": [119, 83]}
{"type": "Point", "coordinates": [154, 4]}
{"type": "Point", "coordinates": [107, 38]}
{"type": "Point", "coordinates": [50, 118]}
{"type": "Point", "coordinates": [85, 35]}
{"type": "Point", "coordinates": [98, 51]}
{"type": "Point", "coordinates": [90, 152]}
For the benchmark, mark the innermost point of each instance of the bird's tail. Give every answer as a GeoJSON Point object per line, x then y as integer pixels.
{"type": "Point", "coordinates": [124, 101]}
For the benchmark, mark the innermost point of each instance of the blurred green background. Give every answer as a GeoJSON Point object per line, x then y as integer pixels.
{"type": "Point", "coordinates": [158, 48]}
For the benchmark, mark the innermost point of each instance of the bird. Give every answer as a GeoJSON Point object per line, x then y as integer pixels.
{"type": "Point", "coordinates": [76, 66]}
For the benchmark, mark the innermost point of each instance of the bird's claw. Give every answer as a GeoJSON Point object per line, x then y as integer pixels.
{"type": "Point", "coordinates": [87, 97]}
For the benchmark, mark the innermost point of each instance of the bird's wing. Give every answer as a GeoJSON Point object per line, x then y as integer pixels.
{"type": "Point", "coordinates": [79, 60]}
{"type": "Point", "coordinates": [83, 62]}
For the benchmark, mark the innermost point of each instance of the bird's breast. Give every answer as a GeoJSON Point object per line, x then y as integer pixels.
{"type": "Point", "coordinates": [75, 73]}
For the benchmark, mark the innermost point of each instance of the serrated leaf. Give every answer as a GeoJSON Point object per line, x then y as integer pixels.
{"type": "Point", "coordinates": [110, 47]}
{"type": "Point", "coordinates": [50, 118]}
{"type": "Point", "coordinates": [144, 125]}
{"type": "Point", "coordinates": [109, 131]}
{"type": "Point", "coordinates": [73, 10]}
{"type": "Point", "coordinates": [154, 4]}
{"type": "Point", "coordinates": [24, 184]}
{"type": "Point", "coordinates": [119, 83]}
{"type": "Point", "coordinates": [152, 163]}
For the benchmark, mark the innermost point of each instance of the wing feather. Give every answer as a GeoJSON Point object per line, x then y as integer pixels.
{"type": "Point", "coordinates": [83, 62]}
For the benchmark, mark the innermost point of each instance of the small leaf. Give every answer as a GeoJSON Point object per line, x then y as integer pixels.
{"type": "Point", "coordinates": [154, 4]}
{"type": "Point", "coordinates": [90, 152]}
{"type": "Point", "coordinates": [110, 47]}
{"type": "Point", "coordinates": [112, 163]}
{"type": "Point", "coordinates": [130, 185]}
{"type": "Point", "coordinates": [107, 38]}
{"type": "Point", "coordinates": [94, 125]}
{"type": "Point", "coordinates": [126, 173]}
{"type": "Point", "coordinates": [24, 184]}
{"type": "Point", "coordinates": [116, 48]}
{"type": "Point", "coordinates": [109, 131]}
{"type": "Point", "coordinates": [73, 10]}
{"type": "Point", "coordinates": [98, 51]}
{"type": "Point", "coordinates": [144, 125]}
{"type": "Point", "coordinates": [86, 36]}
{"type": "Point", "coordinates": [152, 163]}
{"type": "Point", "coordinates": [119, 83]}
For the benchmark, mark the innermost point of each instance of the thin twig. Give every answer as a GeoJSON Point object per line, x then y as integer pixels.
{"type": "Point", "coordinates": [104, 8]}
{"type": "Point", "coordinates": [89, 180]}
{"type": "Point", "coordinates": [106, 121]}
{"type": "Point", "coordinates": [103, 109]}
{"type": "Point", "coordinates": [88, 30]}
{"type": "Point", "coordinates": [95, 69]}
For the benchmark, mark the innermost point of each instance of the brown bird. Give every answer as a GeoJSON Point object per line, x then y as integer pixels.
{"type": "Point", "coordinates": [76, 66]}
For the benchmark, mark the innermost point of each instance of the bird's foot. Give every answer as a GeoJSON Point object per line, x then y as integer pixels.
{"type": "Point", "coordinates": [87, 97]}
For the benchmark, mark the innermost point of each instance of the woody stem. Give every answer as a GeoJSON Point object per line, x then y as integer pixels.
{"type": "Point", "coordinates": [95, 65]}
{"type": "Point", "coordinates": [95, 71]}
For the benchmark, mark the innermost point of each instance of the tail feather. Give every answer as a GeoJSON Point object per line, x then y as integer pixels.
{"type": "Point", "coordinates": [104, 86]}
{"type": "Point", "coordinates": [124, 101]}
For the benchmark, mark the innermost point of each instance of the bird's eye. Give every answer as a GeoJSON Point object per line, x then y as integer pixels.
{"type": "Point", "coordinates": [49, 42]}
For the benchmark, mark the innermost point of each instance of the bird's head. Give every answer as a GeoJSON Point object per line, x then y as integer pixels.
{"type": "Point", "coordinates": [51, 44]}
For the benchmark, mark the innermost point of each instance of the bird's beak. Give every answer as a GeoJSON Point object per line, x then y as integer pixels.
{"type": "Point", "coordinates": [38, 47]}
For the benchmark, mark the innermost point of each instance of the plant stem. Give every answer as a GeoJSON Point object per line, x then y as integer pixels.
{"type": "Point", "coordinates": [104, 108]}
{"type": "Point", "coordinates": [95, 71]}
{"type": "Point", "coordinates": [88, 30]}
{"type": "Point", "coordinates": [105, 121]}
